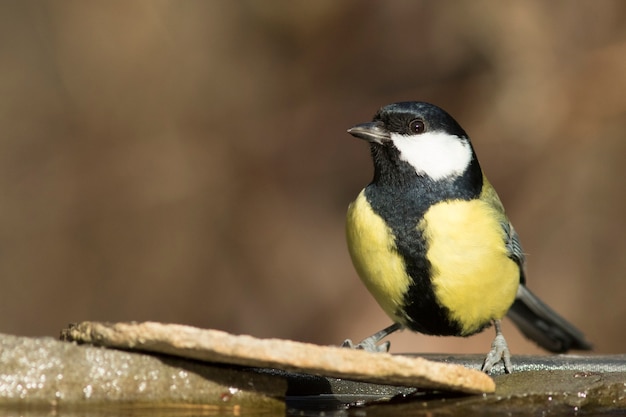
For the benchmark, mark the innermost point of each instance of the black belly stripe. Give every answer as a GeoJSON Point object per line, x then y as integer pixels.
{"type": "Point", "coordinates": [401, 208]}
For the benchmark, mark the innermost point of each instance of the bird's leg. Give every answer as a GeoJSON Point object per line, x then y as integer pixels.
{"type": "Point", "coordinates": [499, 352]}
{"type": "Point", "coordinates": [370, 344]}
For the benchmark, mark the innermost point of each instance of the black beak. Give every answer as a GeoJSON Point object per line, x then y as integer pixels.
{"type": "Point", "coordinates": [371, 132]}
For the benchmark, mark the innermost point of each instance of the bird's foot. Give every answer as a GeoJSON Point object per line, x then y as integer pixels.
{"type": "Point", "coordinates": [499, 352]}
{"type": "Point", "coordinates": [370, 344]}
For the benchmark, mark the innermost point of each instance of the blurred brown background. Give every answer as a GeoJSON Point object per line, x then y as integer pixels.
{"type": "Point", "coordinates": [187, 161]}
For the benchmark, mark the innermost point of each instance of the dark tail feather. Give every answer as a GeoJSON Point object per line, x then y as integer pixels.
{"type": "Point", "coordinates": [543, 325]}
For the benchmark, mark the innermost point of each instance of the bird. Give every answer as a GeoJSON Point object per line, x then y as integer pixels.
{"type": "Point", "coordinates": [430, 239]}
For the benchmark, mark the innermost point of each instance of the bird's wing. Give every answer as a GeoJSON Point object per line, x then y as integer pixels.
{"type": "Point", "coordinates": [513, 245]}
{"type": "Point", "coordinates": [514, 248]}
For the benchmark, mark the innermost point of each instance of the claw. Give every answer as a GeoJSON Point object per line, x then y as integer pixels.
{"type": "Point", "coordinates": [370, 344]}
{"type": "Point", "coordinates": [499, 352]}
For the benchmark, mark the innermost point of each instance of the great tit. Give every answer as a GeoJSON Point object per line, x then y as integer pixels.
{"type": "Point", "coordinates": [430, 239]}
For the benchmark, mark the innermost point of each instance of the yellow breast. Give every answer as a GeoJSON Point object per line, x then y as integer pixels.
{"type": "Point", "coordinates": [472, 274]}
{"type": "Point", "coordinates": [374, 255]}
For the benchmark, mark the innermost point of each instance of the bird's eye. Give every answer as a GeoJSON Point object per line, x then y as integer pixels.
{"type": "Point", "coordinates": [416, 126]}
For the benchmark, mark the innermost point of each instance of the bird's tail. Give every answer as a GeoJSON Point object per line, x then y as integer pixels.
{"type": "Point", "coordinates": [543, 325]}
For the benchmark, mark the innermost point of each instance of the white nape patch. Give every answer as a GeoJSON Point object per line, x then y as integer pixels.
{"type": "Point", "coordinates": [435, 154]}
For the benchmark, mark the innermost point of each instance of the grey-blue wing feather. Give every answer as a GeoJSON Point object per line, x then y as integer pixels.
{"type": "Point", "coordinates": [514, 248]}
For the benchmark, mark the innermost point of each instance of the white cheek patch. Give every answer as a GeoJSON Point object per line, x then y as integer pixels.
{"type": "Point", "coordinates": [435, 154]}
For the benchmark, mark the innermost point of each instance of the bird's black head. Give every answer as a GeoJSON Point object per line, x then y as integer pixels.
{"type": "Point", "coordinates": [417, 117]}
{"type": "Point", "coordinates": [413, 138]}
